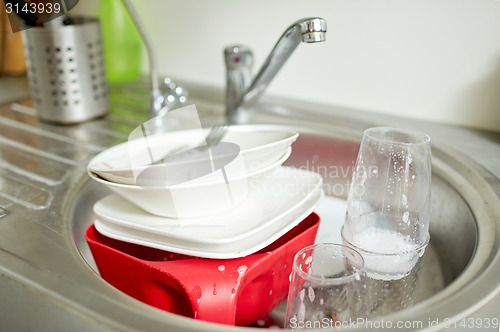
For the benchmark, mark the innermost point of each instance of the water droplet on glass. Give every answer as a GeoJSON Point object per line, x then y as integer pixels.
{"type": "Point", "coordinates": [310, 293]}
{"type": "Point", "coordinates": [301, 313]}
{"type": "Point", "coordinates": [364, 176]}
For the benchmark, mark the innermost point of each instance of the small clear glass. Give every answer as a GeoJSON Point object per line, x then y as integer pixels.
{"type": "Point", "coordinates": [327, 288]}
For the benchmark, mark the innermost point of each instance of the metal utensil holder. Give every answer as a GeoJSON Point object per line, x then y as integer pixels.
{"type": "Point", "coordinates": [66, 70]}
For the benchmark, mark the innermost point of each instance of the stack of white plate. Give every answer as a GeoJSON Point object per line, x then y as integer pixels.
{"type": "Point", "coordinates": [232, 212]}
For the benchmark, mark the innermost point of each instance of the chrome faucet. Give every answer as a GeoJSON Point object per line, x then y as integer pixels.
{"type": "Point", "coordinates": [241, 92]}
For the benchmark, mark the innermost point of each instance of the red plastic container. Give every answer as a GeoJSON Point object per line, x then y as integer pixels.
{"type": "Point", "coordinates": [231, 291]}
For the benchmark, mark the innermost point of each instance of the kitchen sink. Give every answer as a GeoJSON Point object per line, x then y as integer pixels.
{"type": "Point", "coordinates": [45, 261]}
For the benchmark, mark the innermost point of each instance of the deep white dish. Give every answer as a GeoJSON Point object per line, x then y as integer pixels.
{"type": "Point", "coordinates": [260, 146]}
{"type": "Point", "coordinates": [194, 199]}
{"type": "Point", "coordinates": [259, 221]}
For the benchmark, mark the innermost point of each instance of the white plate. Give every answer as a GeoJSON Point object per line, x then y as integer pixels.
{"type": "Point", "coordinates": [260, 145]}
{"type": "Point", "coordinates": [287, 191]}
{"type": "Point", "coordinates": [244, 247]}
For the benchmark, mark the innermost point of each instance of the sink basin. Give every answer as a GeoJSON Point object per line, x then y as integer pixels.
{"type": "Point", "coordinates": [454, 245]}
{"type": "Point", "coordinates": [55, 270]}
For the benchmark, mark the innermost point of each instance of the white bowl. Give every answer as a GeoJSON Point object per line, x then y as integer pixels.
{"type": "Point", "coordinates": [260, 146]}
{"type": "Point", "coordinates": [195, 198]}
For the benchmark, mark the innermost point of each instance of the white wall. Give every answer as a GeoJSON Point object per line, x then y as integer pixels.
{"type": "Point", "coordinates": [430, 59]}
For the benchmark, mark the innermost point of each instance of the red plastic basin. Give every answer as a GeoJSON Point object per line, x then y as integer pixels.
{"type": "Point", "coordinates": [231, 291]}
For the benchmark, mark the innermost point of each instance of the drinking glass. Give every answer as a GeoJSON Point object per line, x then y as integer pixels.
{"type": "Point", "coordinates": [388, 210]}
{"type": "Point", "coordinates": [327, 288]}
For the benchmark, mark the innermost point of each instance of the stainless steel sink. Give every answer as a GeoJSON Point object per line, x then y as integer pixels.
{"type": "Point", "coordinates": [46, 266]}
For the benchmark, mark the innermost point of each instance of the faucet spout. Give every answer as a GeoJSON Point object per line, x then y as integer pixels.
{"type": "Point", "coordinates": [242, 92]}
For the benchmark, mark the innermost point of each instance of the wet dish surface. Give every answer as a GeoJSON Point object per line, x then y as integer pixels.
{"type": "Point", "coordinates": [272, 208]}
{"type": "Point", "coordinates": [260, 146]}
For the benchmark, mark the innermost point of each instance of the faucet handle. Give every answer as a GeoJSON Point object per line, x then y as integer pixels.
{"type": "Point", "coordinates": [238, 56]}
{"type": "Point", "coordinates": [239, 61]}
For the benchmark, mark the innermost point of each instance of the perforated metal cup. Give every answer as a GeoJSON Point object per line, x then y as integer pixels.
{"type": "Point", "coordinates": [66, 70]}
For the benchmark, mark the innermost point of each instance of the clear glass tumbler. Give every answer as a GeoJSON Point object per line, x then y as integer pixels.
{"type": "Point", "coordinates": [388, 211]}
{"type": "Point", "coordinates": [388, 207]}
{"type": "Point", "coordinates": [327, 288]}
